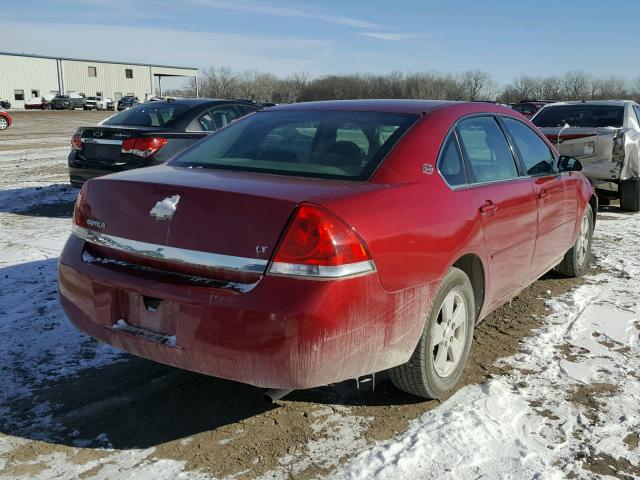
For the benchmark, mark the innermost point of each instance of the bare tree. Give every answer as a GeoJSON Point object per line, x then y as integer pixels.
{"type": "Point", "coordinates": [577, 85]}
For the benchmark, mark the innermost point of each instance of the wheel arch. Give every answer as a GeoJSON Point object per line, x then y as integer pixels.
{"type": "Point", "coordinates": [472, 266]}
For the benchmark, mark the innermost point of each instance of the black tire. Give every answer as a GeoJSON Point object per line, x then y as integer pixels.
{"type": "Point", "coordinates": [419, 375]}
{"type": "Point", "coordinates": [630, 195]}
{"type": "Point", "coordinates": [575, 264]}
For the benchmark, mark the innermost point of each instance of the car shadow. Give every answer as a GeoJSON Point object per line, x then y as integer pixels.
{"type": "Point", "coordinates": [56, 201]}
{"type": "Point", "coordinates": [132, 402]}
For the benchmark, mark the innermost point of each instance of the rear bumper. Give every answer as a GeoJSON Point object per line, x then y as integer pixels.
{"type": "Point", "coordinates": [284, 333]}
{"type": "Point", "coordinates": [81, 170]}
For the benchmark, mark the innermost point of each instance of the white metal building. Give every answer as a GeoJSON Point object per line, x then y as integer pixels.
{"type": "Point", "coordinates": [25, 76]}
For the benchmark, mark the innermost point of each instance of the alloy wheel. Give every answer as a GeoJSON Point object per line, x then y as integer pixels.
{"type": "Point", "coordinates": [3, 123]}
{"type": "Point", "coordinates": [448, 336]}
{"type": "Point", "coordinates": [582, 243]}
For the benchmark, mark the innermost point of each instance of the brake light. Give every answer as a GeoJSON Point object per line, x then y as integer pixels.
{"type": "Point", "coordinates": [80, 210]}
{"type": "Point", "coordinates": [76, 141]}
{"type": "Point", "coordinates": [143, 146]}
{"type": "Point", "coordinates": [319, 244]}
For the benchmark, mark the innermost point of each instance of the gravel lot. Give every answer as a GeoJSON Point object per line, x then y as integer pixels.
{"type": "Point", "coordinates": [71, 408]}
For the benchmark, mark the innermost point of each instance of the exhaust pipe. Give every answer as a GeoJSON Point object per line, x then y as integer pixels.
{"type": "Point", "coordinates": [273, 395]}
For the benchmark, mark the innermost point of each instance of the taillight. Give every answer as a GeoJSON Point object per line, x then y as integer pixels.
{"type": "Point", "coordinates": [76, 141]}
{"type": "Point", "coordinates": [143, 146]}
{"type": "Point", "coordinates": [81, 211]}
{"type": "Point", "coordinates": [319, 244]}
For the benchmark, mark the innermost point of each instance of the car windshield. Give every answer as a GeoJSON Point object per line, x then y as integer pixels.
{"type": "Point", "coordinates": [61, 97]}
{"type": "Point", "coordinates": [93, 98]}
{"type": "Point", "coordinates": [149, 115]}
{"type": "Point", "coordinates": [580, 116]}
{"type": "Point", "coordinates": [320, 144]}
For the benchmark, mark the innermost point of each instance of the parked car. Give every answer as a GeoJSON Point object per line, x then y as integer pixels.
{"type": "Point", "coordinates": [529, 107]}
{"type": "Point", "coordinates": [5, 120]}
{"type": "Point", "coordinates": [147, 134]}
{"type": "Point", "coordinates": [605, 137]}
{"type": "Point", "coordinates": [66, 102]}
{"type": "Point", "coordinates": [105, 104]}
{"type": "Point", "coordinates": [38, 103]}
{"type": "Point", "coordinates": [91, 103]}
{"type": "Point", "coordinates": [127, 102]}
{"type": "Point", "coordinates": [5, 104]}
{"type": "Point", "coordinates": [313, 243]}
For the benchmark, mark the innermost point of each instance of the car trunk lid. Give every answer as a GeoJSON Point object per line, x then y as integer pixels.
{"type": "Point", "coordinates": [103, 145]}
{"type": "Point", "coordinates": [594, 147]}
{"type": "Point", "coordinates": [211, 223]}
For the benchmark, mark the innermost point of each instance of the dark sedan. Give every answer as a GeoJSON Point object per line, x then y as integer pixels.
{"type": "Point", "coordinates": [127, 102]}
{"type": "Point", "coordinates": [65, 102]}
{"type": "Point", "coordinates": [147, 134]}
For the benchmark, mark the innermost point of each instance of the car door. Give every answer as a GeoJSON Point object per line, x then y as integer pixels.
{"type": "Point", "coordinates": [506, 205]}
{"type": "Point", "coordinates": [556, 195]}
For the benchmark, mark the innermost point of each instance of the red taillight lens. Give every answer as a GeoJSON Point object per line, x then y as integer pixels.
{"type": "Point", "coordinates": [318, 243]}
{"type": "Point", "coordinates": [144, 146]}
{"type": "Point", "coordinates": [81, 210]}
{"type": "Point", "coordinates": [76, 141]}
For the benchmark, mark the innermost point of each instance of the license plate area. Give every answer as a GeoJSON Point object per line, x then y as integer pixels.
{"type": "Point", "coordinates": [147, 313]}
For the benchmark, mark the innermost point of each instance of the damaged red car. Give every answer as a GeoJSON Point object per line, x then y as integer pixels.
{"type": "Point", "coordinates": [312, 243]}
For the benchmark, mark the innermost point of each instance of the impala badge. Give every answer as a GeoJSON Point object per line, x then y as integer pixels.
{"type": "Point", "coordinates": [165, 209]}
{"type": "Point", "coordinates": [427, 168]}
{"type": "Point", "coordinates": [97, 133]}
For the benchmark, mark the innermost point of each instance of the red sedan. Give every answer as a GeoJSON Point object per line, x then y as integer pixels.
{"type": "Point", "coordinates": [5, 120]}
{"type": "Point", "coordinates": [312, 243]}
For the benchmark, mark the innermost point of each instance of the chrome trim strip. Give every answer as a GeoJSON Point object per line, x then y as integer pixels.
{"type": "Point", "coordinates": [101, 141]}
{"type": "Point", "coordinates": [173, 254]}
{"type": "Point", "coordinates": [322, 271]}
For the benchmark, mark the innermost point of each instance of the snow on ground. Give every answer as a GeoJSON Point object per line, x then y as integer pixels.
{"type": "Point", "coordinates": [575, 395]}
{"type": "Point", "coordinates": [572, 398]}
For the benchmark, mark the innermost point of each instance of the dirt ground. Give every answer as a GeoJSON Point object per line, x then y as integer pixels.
{"type": "Point", "coordinates": [220, 427]}
{"type": "Point", "coordinates": [46, 129]}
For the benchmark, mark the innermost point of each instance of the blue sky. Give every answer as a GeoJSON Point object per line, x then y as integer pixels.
{"type": "Point", "coordinates": [504, 38]}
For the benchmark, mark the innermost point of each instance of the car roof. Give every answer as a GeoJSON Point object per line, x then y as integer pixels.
{"type": "Point", "coordinates": [619, 103]}
{"type": "Point", "coordinates": [193, 102]}
{"type": "Point", "coordinates": [388, 106]}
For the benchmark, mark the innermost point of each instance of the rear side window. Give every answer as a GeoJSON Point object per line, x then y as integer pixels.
{"type": "Point", "coordinates": [637, 109]}
{"type": "Point", "coordinates": [320, 144]}
{"type": "Point", "coordinates": [223, 116]}
{"type": "Point", "coordinates": [535, 154]}
{"type": "Point", "coordinates": [487, 150]}
{"type": "Point", "coordinates": [154, 114]}
{"type": "Point", "coordinates": [580, 115]}
{"type": "Point", "coordinates": [451, 165]}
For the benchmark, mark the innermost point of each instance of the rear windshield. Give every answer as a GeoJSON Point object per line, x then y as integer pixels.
{"type": "Point", "coordinates": [149, 115]}
{"type": "Point", "coordinates": [319, 144]}
{"type": "Point", "coordinates": [580, 116]}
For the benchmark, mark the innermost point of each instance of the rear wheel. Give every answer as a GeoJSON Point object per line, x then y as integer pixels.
{"type": "Point", "coordinates": [576, 261]}
{"type": "Point", "coordinates": [630, 195]}
{"type": "Point", "coordinates": [437, 363]}
{"type": "Point", "coordinates": [4, 123]}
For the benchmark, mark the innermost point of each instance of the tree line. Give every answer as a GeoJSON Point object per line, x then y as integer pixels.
{"type": "Point", "coordinates": [472, 85]}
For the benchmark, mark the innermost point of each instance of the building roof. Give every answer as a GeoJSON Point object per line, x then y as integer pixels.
{"type": "Point", "coordinates": [30, 55]}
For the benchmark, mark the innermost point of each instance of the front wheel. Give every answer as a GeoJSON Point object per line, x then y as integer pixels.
{"type": "Point", "coordinates": [4, 123]}
{"type": "Point", "coordinates": [437, 363]}
{"type": "Point", "coordinates": [577, 260]}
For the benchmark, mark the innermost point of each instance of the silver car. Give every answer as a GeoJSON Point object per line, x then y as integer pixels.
{"type": "Point", "coordinates": [605, 137]}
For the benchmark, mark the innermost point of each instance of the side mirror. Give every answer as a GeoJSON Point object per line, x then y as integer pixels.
{"type": "Point", "coordinates": [569, 164]}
